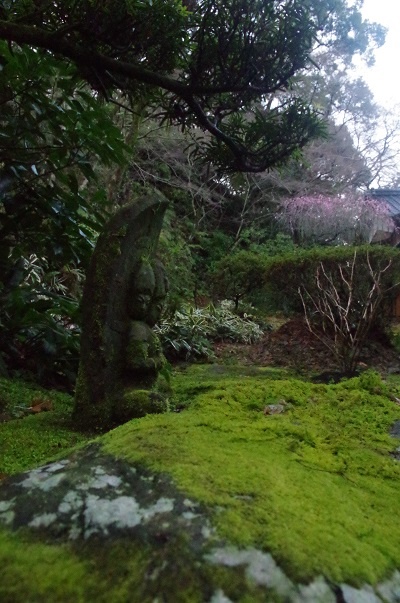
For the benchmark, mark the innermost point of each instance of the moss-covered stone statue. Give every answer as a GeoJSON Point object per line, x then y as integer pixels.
{"type": "Point", "coordinates": [121, 357]}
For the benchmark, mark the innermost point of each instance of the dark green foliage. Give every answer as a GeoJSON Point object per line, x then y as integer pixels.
{"type": "Point", "coordinates": [50, 142]}
{"type": "Point", "coordinates": [280, 244]}
{"type": "Point", "coordinates": [208, 67]}
{"type": "Point", "coordinates": [238, 275]}
{"type": "Point", "coordinates": [176, 254]}
{"type": "Point", "coordinates": [39, 336]}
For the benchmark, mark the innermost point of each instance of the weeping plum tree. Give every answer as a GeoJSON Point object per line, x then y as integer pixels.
{"type": "Point", "coordinates": [350, 219]}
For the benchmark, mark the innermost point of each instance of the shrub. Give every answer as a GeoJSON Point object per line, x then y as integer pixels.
{"type": "Point", "coordinates": [285, 274]}
{"type": "Point", "coordinates": [189, 333]}
{"type": "Point", "coordinates": [345, 292]}
{"type": "Point", "coordinates": [238, 275]}
{"type": "Point", "coordinates": [39, 335]}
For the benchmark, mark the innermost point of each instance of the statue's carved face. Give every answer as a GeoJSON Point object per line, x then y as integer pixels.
{"type": "Point", "coordinates": [140, 293]}
{"type": "Point", "coordinates": [160, 293]}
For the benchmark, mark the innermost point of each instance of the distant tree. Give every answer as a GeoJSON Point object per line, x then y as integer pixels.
{"type": "Point", "coordinates": [335, 220]}
{"type": "Point", "coordinates": [238, 275]}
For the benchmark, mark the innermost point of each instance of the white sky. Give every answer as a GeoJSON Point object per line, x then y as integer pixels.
{"type": "Point", "coordinates": [384, 78]}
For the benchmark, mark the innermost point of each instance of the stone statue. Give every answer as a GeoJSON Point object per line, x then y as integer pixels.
{"type": "Point", "coordinates": [121, 357]}
{"type": "Point", "coordinates": [143, 357]}
{"type": "Point", "coordinates": [146, 296]}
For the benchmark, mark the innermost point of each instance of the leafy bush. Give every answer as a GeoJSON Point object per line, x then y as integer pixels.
{"type": "Point", "coordinates": [53, 135]}
{"type": "Point", "coordinates": [238, 275]}
{"type": "Point", "coordinates": [189, 333]}
{"type": "Point", "coordinates": [176, 256]}
{"type": "Point", "coordinates": [39, 335]}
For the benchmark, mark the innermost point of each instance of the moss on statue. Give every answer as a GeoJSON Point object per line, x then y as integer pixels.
{"type": "Point", "coordinates": [136, 403]}
{"type": "Point", "coordinates": [118, 348]}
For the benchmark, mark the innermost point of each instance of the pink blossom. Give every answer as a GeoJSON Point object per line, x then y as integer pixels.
{"type": "Point", "coordinates": [340, 220]}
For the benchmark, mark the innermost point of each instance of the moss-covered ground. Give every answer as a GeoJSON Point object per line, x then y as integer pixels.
{"type": "Point", "coordinates": [315, 486]}
{"type": "Point", "coordinates": [29, 440]}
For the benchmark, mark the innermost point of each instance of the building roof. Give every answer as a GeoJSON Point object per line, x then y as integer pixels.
{"type": "Point", "coordinates": [391, 196]}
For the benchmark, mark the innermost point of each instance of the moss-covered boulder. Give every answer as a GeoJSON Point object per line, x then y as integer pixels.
{"type": "Point", "coordinates": [219, 502]}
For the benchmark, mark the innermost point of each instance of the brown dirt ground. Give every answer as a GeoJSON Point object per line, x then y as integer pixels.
{"type": "Point", "coordinates": [292, 345]}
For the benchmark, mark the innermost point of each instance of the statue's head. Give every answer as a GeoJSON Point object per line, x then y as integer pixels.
{"type": "Point", "coordinates": [140, 292]}
{"type": "Point", "coordinates": [159, 294]}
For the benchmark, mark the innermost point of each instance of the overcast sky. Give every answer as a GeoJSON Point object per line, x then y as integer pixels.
{"type": "Point", "coordinates": [384, 77]}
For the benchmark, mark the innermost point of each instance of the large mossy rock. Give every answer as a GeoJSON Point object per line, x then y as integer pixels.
{"type": "Point", "coordinates": [124, 255]}
{"type": "Point", "coordinates": [221, 502]}
{"type": "Point", "coordinates": [93, 528]}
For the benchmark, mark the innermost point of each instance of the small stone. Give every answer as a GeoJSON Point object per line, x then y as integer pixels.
{"type": "Point", "coordinates": [274, 409]}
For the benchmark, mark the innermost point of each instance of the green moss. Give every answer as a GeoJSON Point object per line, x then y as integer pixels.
{"type": "Point", "coordinates": [38, 572]}
{"type": "Point", "coordinates": [140, 402]}
{"type": "Point", "coordinates": [34, 439]}
{"type": "Point", "coordinates": [119, 572]}
{"type": "Point", "coordinates": [315, 486]}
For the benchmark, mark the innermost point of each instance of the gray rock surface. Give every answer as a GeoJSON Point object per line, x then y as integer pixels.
{"type": "Point", "coordinates": [94, 494]}
{"type": "Point", "coordinates": [395, 431]}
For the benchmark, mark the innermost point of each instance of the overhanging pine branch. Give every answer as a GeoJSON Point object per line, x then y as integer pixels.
{"type": "Point", "coordinates": [243, 158]}
{"type": "Point", "coordinates": [39, 38]}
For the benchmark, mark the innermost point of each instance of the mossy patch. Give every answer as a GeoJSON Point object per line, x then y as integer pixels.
{"type": "Point", "coordinates": [34, 439]}
{"type": "Point", "coordinates": [34, 571]}
{"type": "Point", "coordinates": [121, 571]}
{"type": "Point", "coordinates": [140, 402]}
{"type": "Point", "coordinates": [315, 486]}
{"type": "Point", "coordinates": [95, 571]}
